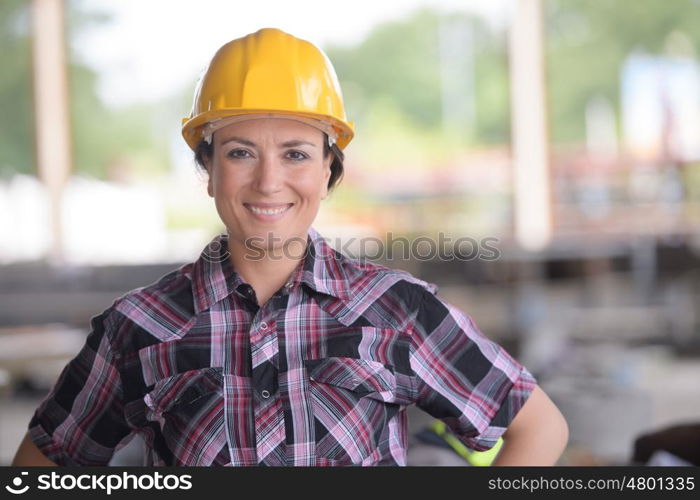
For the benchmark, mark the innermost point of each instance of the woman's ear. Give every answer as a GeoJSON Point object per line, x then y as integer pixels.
{"type": "Point", "coordinates": [210, 184]}
{"type": "Point", "coordinates": [326, 175]}
{"type": "Point", "coordinates": [208, 163]}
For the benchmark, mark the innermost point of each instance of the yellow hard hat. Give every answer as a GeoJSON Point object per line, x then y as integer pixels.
{"type": "Point", "coordinates": [271, 73]}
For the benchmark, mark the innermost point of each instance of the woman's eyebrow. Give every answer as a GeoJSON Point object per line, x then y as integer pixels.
{"type": "Point", "coordinates": [245, 142]}
{"type": "Point", "coordinates": [288, 144]}
{"type": "Point", "coordinates": [297, 142]}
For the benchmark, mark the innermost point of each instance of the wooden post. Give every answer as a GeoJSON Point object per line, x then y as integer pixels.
{"type": "Point", "coordinates": [532, 195]}
{"type": "Point", "coordinates": [51, 114]}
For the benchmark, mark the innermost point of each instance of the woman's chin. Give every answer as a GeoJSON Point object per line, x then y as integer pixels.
{"type": "Point", "coordinates": [278, 244]}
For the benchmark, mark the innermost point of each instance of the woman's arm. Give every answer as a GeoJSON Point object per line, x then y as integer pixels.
{"type": "Point", "coordinates": [536, 436]}
{"type": "Point", "coordinates": [28, 455]}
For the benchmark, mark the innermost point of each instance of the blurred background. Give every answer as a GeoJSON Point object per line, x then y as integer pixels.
{"type": "Point", "coordinates": [568, 131]}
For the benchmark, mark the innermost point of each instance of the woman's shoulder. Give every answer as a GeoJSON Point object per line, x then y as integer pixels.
{"type": "Point", "coordinates": [364, 278]}
{"type": "Point", "coordinates": [356, 268]}
{"type": "Point", "coordinates": [163, 307]}
{"type": "Point", "coordinates": [379, 296]}
{"type": "Point", "coordinates": [362, 272]}
{"type": "Point", "coordinates": [167, 285]}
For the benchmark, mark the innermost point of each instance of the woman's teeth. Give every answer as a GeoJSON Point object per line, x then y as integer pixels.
{"type": "Point", "coordinates": [268, 211]}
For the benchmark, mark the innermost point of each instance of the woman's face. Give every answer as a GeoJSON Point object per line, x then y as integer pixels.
{"type": "Point", "coordinates": [267, 177]}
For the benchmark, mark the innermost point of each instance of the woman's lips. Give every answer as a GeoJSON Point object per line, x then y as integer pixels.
{"type": "Point", "coordinates": [268, 211]}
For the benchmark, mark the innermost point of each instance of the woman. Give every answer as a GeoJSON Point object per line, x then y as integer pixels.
{"type": "Point", "coordinates": [272, 348]}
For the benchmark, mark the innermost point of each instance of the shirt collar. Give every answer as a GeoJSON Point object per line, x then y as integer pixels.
{"type": "Point", "coordinates": [214, 278]}
{"type": "Point", "coordinates": [323, 268]}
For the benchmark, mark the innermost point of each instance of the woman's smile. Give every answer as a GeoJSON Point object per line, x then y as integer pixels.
{"type": "Point", "coordinates": [268, 212]}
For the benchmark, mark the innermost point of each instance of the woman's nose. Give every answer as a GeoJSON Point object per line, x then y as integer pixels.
{"type": "Point", "coordinates": [268, 176]}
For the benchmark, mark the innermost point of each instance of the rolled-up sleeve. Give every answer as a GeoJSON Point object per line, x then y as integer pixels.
{"type": "Point", "coordinates": [81, 421]}
{"type": "Point", "coordinates": [462, 377]}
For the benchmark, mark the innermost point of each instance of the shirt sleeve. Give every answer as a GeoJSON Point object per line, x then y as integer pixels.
{"type": "Point", "coordinates": [81, 421]}
{"type": "Point", "coordinates": [462, 377]}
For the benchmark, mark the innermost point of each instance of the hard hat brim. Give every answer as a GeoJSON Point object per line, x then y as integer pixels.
{"type": "Point", "coordinates": [192, 128]}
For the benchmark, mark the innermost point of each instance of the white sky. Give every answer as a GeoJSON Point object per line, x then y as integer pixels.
{"type": "Point", "coordinates": [155, 48]}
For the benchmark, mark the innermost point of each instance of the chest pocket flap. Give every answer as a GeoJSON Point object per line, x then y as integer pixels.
{"type": "Point", "coordinates": [184, 388]}
{"type": "Point", "coordinates": [364, 377]}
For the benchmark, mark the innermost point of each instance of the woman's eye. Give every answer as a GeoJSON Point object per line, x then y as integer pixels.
{"type": "Point", "coordinates": [238, 154]}
{"type": "Point", "coordinates": [297, 155]}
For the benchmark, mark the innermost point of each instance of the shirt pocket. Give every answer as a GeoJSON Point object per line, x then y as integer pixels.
{"type": "Point", "coordinates": [177, 392]}
{"type": "Point", "coordinates": [364, 377]}
{"type": "Point", "coordinates": [353, 402]}
{"type": "Point", "coordinates": [186, 407]}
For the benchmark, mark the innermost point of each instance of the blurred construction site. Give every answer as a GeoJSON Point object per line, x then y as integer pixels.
{"type": "Point", "coordinates": [565, 133]}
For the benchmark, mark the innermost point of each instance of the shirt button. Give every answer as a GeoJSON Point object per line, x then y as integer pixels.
{"type": "Point", "coordinates": [265, 394]}
{"type": "Point", "coordinates": [263, 325]}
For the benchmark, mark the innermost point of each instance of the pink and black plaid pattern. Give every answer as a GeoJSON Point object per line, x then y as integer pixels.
{"type": "Point", "coordinates": [320, 375]}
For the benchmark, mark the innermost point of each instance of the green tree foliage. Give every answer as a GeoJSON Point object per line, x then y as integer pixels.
{"type": "Point", "coordinates": [396, 71]}
{"type": "Point", "coordinates": [588, 41]}
{"type": "Point", "coordinates": [16, 142]}
{"type": "Point", "coordinates": [397, 61]}
{"type": "Point", "coordinates": [100, 136]}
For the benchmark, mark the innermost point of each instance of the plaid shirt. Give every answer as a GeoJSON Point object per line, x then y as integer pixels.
{"type": "Point", "coordinates": [321, 374]}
